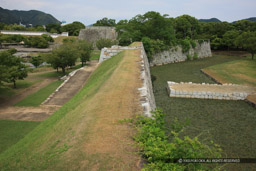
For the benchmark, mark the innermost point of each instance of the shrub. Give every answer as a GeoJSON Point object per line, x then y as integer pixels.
{"type": "Point", "coordinates": [36, 41]}
{"type": "Point", "coordinates": [153, 46]}
{"type": "Point", "coordinates": [47, 37]}
{"type": "Point", "coordinates": [189, 57]}
{"type": "Point", "coordinates": [192, 43]}
{"type": "Point", "coordinates": [195, 56]}
{"type": "Point", "coordinates": [11, 38]}
{"type": "Point", "coordinates": [161, 154]}
{"type": "Point", "coordinates": [101, 43]}
{"type": "Point", "coordinates": [185, 44]}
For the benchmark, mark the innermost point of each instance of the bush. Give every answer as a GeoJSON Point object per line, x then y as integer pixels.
{"type": "Point", "coordinates": [185, 44]}
{"type": "Point", "coordinates": [153, 46]}
{"type": "Point", "coordinates": [37, 42]}
{"type": "Point", "coordinates": [195, 56]}
{"type": "Point", "coordinates": [4, 38]}
{"type": "Point", "coordinates": [189, 57]}
{"type": "Point", "coordinates": [192, 43]}
{"type": "Point", "coordinates": [101, 43]}
{"type": "Point", "coordinates": [161, 154]}
{"type": "Point", "coordinates": [47, 37]}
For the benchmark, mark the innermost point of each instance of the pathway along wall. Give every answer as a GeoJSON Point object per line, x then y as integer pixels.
{"type": "Point", "coordinates": [146, 91]}
{"type": "Point", "coordinates": [175, 54]}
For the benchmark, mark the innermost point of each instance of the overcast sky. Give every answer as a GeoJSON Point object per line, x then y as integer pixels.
{"type": "Point", "coordinates": [89, 11]}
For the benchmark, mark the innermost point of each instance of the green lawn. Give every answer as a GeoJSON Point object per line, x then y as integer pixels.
{"type": "Point", "coordinates": [12, 131]}
{"type": "Point", "coordinates": [38, 97]}
{"type": "Point", "coordinates": [9, 91]}
{"type": "Point", "coordinates": [238, 72]}
{"type": "Point", "coordinates": [54, 144]}
{"type": "Point", "coordinates": [95, 55]}
{"type": "Point", "coordinates": [231, 124]}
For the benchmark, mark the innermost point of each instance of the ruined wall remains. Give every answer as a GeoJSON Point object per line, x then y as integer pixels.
{"type": "Point", "coordinates": [175, 54]}
{"type": "Point", "coordinates": [209, 91]}
{"type": "Point", "coordinates": [92, 34]}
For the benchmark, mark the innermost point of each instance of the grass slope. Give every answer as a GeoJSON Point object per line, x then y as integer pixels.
{"type": "Point", "coordinates": [18, 129]}
{"type": "Point", "coordinates": [38, 97]}
{"type": "Point", "coordinates": [238, 72]}
{"type": "Point", "coordinates": [231, 124]}
{"type": "Point", "coordinates": [48, 145]}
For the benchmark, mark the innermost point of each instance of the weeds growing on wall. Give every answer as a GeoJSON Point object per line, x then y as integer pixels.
{"type": "Point", "coordinates": [161, 154]}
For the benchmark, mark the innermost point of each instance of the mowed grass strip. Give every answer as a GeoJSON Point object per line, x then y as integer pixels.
{"type": "Point", "coordinates": [38, 97]}
{"type": "Point", "coordinates": [47, 146]}
{"type": "Point", "coordinates": [231, 124]}
{"type": "Point", "coordinates": [12, 131]}
{"type": "Point", "coordinates": [95, 55]}
{"type": "Point", "coordinates": [238, 72]}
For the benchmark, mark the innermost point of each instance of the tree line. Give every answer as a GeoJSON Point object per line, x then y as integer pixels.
{"type": "Point", "coordinates": [159, 32]}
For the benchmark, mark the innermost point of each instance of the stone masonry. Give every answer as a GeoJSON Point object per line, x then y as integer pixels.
{"type": "Point", "coordinates": [175, 54]}
{"type": "Point", "coordinates": [92, 34]}
{"type": "Point", "coordinates": [209, 91]}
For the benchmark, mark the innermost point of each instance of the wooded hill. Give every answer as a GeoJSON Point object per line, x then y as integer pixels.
{"type": "Point", "coordinates": [26, 17]}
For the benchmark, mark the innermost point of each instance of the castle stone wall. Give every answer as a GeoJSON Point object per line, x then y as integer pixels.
{"type": "Point", "coordinates": [92, 34]}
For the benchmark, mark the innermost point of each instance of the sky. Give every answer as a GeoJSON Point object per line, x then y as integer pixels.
{"type": "Point", "coordinates": [89, 11]}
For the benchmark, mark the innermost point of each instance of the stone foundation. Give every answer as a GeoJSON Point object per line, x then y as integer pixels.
{"type": "Point", "coordinates": [209, 91]}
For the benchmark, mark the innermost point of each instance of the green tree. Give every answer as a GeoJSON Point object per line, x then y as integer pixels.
{"type": "Point", "coordinates": [63, 56]}
{"type": "Point", "coordinates": [47, 37]}
{"type": "Point", "coordinates": [85, 50]}
{"type": "Point", "coordinates": [229, 38]}
{"type": "Point", "coordinates": [247, 41]}
{"type": "Point", "coordinates": [105, 22]}
{"type": "Point", "coordinates": [36, 60]}
{"type": "Point", "coordinates": [101, 43]}
{"type": "Point", "coordinates": [186, 26]}
{"type": "Point", "coordinates": [245, 25]}
{"type": "Point", "coordinates": [12, 68]}
{"type": "Point", "coordinates": [73, 29]}
{"type": "Point", "coordinates": [53, 28]}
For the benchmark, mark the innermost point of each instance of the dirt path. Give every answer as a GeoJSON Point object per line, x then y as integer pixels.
{"type": "Point", "coordinates": [74, 84]}
{"type": "Point", "coordinates": [27, 113]}
{"type": "Point", "coordinates": [9, 112]}
{"type": "Point", "coordinates": [24, 93]}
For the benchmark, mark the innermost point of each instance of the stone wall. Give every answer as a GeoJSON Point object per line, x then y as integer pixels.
{"type": "Point", "coordinates": [148, 98]}
{"type": "Point", "coordinates": [175, 54]}
{"type": "Point", "coordinates": [208, 91]}
{"type": "Point", "coordinates": [92, 34]}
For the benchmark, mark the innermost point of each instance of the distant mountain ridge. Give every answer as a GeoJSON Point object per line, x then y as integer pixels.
{"type": "Point", "coordinates": [26, 17]}
{"type": "Point", "coordinates": [216, 20]}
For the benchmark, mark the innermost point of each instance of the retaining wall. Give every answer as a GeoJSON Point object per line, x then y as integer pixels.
{"type": "Point", "coordinates": [175, 54]}
{"type": "Point", "coordinates": [92, 34]}
{"type": "Point", "coordinates": [209, 94]}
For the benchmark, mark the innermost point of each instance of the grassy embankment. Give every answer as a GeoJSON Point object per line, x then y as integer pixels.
{"type": "Point", "coordinates": [231, 124]}
{"type": "Point", "coordinates": [12, 131]}
{"type": "Point", "coordinates": [58, 142]}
